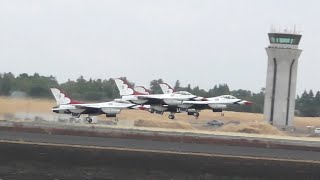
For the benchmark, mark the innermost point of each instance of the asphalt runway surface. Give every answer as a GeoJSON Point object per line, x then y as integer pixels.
{"type": "Point", "coordinates": [46, 156]}
{"type": "Point", "coordinates": [163, 146]}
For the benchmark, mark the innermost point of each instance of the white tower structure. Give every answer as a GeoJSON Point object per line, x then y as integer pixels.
{"type": "Point", "coordinates": [283, 55]}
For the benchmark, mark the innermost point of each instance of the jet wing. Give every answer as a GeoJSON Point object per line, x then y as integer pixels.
{"type": "Point", "coordinates": [106, 105]}
{"type": "Point", "coordinates": [151, 100]}
{"type": "Point", "coordinates": [60, 108]}
{"type": "Point", "coordinates": [95, 106]}
{"type": "Point", "coordinates": [159, 99]}
{"type": "Point", "coordinates": [200, 102]}
{"type": "Point", "coordinates": [206, 104]}
{"type": "Point", "coordinates": [148, 97]}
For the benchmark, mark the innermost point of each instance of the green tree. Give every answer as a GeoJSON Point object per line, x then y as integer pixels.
{"type": "Point", "coordinates": [306, 104]}
{"type": "Point", "coordinates": [154, 86]}
{"type": "Point", "coordinates": [317, 103]}
{"type": "Point", "coordinates": [6, 84]}
{"type": "Point", "coordinates": [177, 86]}
{"type": "Point", "coordinates": [189, 89]}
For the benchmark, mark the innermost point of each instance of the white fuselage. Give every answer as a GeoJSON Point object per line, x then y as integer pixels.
{"type": "Point", "coordinates": [219, 100]}
{"type": "Point", "coordinates": [111, 107]}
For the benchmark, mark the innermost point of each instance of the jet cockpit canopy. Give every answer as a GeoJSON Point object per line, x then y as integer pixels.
{"type": "Point", "coordinates": [228, 97]}
{"type": "Point", "coordinates": [182, 93]}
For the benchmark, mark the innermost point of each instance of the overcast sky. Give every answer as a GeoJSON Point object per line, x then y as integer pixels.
{"type": "Point", "coordinates": [201, 42]}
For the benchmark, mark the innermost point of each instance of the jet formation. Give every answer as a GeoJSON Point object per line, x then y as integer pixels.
{"type": "Point", "coordinates": [138, 97]}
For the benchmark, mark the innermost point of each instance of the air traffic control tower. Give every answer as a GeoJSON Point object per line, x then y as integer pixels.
{"type": "Point", "coordinates": [283, 55]}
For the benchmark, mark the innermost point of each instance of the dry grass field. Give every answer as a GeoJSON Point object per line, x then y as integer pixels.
{"type": "Point", "coordinates": [307, 121]}
{"type": "Point", "coordinates": [255, 127]}
{"type": "Point", "coordinates": [251, 120]}
{"type": "Point", "coordinates": [14, 105]}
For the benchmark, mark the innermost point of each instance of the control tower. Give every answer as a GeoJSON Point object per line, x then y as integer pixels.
{"type": "Point", "coordinates": [283, 55]}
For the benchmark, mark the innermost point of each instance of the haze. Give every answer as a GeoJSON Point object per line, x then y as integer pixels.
{"type": "Point", "coordinates": [198, 42]}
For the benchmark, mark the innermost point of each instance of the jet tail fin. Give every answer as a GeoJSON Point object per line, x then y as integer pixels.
{"type": "Point", "coordinates": [125, 88]}
{"type": "Point", "coordinates": [62, 98]}
{"type": "Point", "coordinates": [166, 88]}
{"type": "Point", "coordinates": [141, 89]}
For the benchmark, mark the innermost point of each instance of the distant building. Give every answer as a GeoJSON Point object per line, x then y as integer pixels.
{"type": "Point", "coordinates": [18, 94]}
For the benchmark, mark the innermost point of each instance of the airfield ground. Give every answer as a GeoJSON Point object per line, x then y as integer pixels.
{"type": "Point", "coordinates": [250, 122]}
{"type": "Point", "coordinates": [149, 146]}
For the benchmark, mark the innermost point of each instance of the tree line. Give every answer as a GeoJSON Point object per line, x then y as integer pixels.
{"type": "Point", "coordinates": [37, 86]}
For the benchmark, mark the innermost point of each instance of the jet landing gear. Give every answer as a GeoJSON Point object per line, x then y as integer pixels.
{"type": "Point", "coordinates": [171, 116]}
{"type": "Point", "coordinates": [75, 115]}
{"type": "Point", "coordinates": [89, 119]}
{"type": "Point", "coordinates": [218, 110]}
{"type": "Point", "coordinates": [196, 114]}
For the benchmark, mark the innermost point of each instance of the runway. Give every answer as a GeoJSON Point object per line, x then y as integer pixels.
{"type": "Point", "coordinates": [39, 151]}
{"type": "Point", "coordinates": [217, 149]}
{"type": "Point", "coordinates": [27, 160]}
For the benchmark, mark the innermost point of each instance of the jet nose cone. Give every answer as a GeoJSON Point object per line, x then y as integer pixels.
{"type": "Point", "coordinates": [143, 107]}
{"type": "Point", "coordinates": [248, 103]}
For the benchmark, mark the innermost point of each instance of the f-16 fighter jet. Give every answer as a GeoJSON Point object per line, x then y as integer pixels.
{"type": "Point", "coordinates": [65, 105]}
{"type": "Point", "coordinates": [159, 103]}
{"type": "Point", "coordinates": [217, 104]}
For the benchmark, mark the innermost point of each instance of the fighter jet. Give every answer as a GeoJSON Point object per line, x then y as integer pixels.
{"type": "Point", "coordinates": [65, 105]}
{"type": "Point", "coordinates": [217, 104]}
{"type": "Point", "coordinates": [159, 103]}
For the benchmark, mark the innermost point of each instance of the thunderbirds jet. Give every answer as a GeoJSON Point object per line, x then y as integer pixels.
{"type": "Point", "coordinates": [217, 104]}
{"type": "Point", "coordinates": [66, 105]}
{"type": "Point", "coordinates": [159, 103]}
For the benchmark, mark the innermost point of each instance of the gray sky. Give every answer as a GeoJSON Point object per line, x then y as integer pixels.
{"type": "Point", "coordinates": [198, 42]}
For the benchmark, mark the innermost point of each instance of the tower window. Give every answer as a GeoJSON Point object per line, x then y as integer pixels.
{"type": "Point", "coordinates": [276, 38]}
